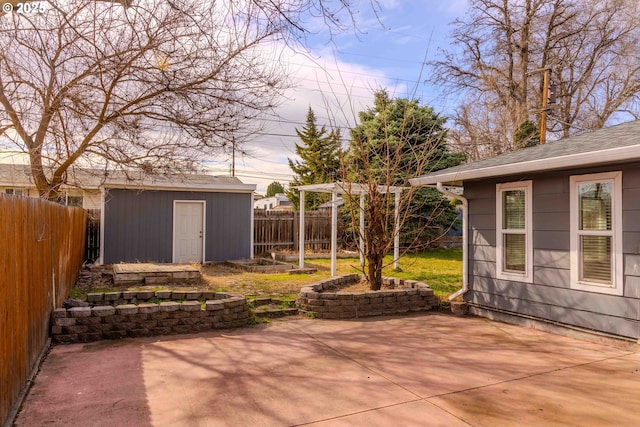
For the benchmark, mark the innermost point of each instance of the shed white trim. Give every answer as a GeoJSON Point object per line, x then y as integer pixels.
{"type": "Point", "coordinates": [203, 232]}
{"type": "Point", "coordinates": [217, 188]}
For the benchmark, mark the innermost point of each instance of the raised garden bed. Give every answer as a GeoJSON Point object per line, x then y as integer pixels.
{"type": "Point", "coordinates": [325, 299]}
{"type": "Point", "coordinates": [153, 274]}
{"type": "Point", "coordinates": [261, 265]}
{"type": "Point", "coordinates": [114, 315]}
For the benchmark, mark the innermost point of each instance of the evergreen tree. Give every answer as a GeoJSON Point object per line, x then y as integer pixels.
{"type": "Point", "coordinates": [274, 188]}
{"type": "Point", "coordinates": [398, 139]}
{"type": "Point", "coordinates": [320, 161]}
{"type": "Point", "coordinates": [527, 135]}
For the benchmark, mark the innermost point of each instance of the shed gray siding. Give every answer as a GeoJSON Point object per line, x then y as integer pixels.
{"type": "Point", "coordinates": [550, 296]}
{"type": "Point", "coordinates": [138, 225]}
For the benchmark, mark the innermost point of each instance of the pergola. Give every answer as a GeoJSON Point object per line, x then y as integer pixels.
{"type": "Point", "coordinates": [361, 190]}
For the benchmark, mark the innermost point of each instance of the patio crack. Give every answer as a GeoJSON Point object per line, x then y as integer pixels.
{"type": "Point", "coordinates": [362, 365]}
{"type": "Point", "coordinates": [364, 411]}
{"type": "Point", "coordinates": [524, 377]}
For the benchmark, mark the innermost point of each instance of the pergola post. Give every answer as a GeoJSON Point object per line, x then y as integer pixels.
{"type": "Point", "coordinates": [334, 232]}
{"type": "Point", "coordinates": [361, 230]}
{"type": "Point", "coordinates": [396, 237]}
{"type": "Point", "coordinates": [349, 188]}
{"type": "Point", "coordinates": [301, 232]}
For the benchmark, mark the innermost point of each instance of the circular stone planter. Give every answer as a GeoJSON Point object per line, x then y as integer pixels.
{"type": "Point", "coordinates": [321, 301]}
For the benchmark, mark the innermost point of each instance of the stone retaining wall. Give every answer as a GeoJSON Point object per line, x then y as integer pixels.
{"type": "Point", "coordinates": [104, 321]}
{"type": "Point", "coordinates": [408, 295]}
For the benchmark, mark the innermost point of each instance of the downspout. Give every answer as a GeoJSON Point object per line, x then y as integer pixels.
{"type": "Point", "coordinates": [465, 239]}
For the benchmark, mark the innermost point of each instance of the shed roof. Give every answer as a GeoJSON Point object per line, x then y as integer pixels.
{"type": "Point", "coordinates": [20, 176]}
{"type": "Point", "coordinates": [613, 144]}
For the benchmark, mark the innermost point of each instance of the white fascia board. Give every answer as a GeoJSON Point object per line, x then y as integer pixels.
{"type": "Point", "coordinates": [591, 158]}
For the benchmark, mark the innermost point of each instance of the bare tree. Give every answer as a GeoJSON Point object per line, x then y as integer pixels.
{"type": "Point", "coordinates": [152, 84]}
{"type": "Point", "coordinates": [591, 47]}
{"type": "Point", "coordinates": [397, 139]}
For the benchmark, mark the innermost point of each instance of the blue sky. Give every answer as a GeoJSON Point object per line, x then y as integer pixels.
{"type": "Point", "coordinates": [408, 33]}
{"type": "Point", "coordinates": [338, 76]}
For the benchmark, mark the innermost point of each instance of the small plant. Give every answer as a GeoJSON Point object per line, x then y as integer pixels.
{"type": "Point", "coordinates": [256, 320]}
{"type": "Point", "coordinates": [287, 304]}
{"type": "Point", "coordinates": [77, 294]}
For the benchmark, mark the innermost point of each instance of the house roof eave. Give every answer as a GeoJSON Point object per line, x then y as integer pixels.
{"type": "Point", "coordinates": [591, 158]}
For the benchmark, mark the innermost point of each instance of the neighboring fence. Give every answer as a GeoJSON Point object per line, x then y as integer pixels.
{"type": "Point", "coordinates": [41, 252]}
{"type": "Point", "coordinates": [279, 230]}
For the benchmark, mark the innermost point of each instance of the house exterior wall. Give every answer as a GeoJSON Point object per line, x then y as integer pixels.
{"type": "Point", "coordinates": [550, 296]}
{"type": "Point", "coordinates": [91, 199]}
{"type": "Point", "coordinates": [26, 191]}
{"type": "Point", "coordinates": [138, 225]}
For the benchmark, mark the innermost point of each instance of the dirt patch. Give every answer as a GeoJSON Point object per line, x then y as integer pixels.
{"type": "Point", "coordinates": [215, 277]}
{"type": "Point", "coordinates": [94, 278]}
{"type": "Point", "coordinates": [100, 279]}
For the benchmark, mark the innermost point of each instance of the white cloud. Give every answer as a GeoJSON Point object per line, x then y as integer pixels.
{"type": "Point", "coordinates": [457, 7]}
{"type": "Point", "coordinates": [336, 91]}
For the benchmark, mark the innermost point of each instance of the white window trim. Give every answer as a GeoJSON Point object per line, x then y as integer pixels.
{"type": "Point", "coordinates": [527, 276]}
{"type": "Point", "coordinates": [204, 229]}
{"type": "Point", "coordinates": [24, 192]}
{"type": "Point", "coordinates": [617, 256]}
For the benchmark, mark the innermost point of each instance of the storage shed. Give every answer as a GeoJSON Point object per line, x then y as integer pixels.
{"type": "Point", "coordinates": [189, 218]}
{"type": "Point", "coordinates": [552, 232]}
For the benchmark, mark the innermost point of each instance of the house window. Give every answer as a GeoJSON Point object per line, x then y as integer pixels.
{"type": "Point", "coordinates": [14, 191]}
{"type": "Point", "coordinates": [74, 201]}
{"type": "Point", "coordinates": [514, 243]}
{"type": "Point", "coordinates": [596, 232]}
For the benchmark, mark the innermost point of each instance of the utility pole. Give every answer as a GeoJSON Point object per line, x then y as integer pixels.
{"type": "Point", "coordinates": [233, 156]}
{"type": "Point", "coordinates": [545, 100]}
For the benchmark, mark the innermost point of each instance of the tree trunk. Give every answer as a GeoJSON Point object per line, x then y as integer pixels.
{"type": "Point", "coordinates": [374, 271]}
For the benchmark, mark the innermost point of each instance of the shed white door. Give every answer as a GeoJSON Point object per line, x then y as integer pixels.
{"type": "Point", "coordinates": [188, 232]}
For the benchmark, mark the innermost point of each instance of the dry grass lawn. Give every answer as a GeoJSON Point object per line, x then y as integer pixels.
{"type": "Point", "coordinates": [440, 269]}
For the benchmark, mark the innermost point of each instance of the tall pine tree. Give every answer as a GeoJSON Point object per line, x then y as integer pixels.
{"type": "Point", "coordinates": [320, 161]}
{"type": "Point", "coordinates": [397, 139]}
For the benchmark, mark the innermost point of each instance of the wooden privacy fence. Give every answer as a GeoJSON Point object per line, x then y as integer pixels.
{"type": "Point", "coordinates": [41, 252]}
{"type": "Point", "coordinates": [279, 230]}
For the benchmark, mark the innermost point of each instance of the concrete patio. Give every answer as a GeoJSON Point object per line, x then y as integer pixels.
{"type": "Point", "coordinates": [419, 370]}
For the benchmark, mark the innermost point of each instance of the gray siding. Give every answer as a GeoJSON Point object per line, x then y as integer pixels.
{"type": "Point", "coordinates": [550, 296]}
{"type": "Point", "coordinates": [138, 225]}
